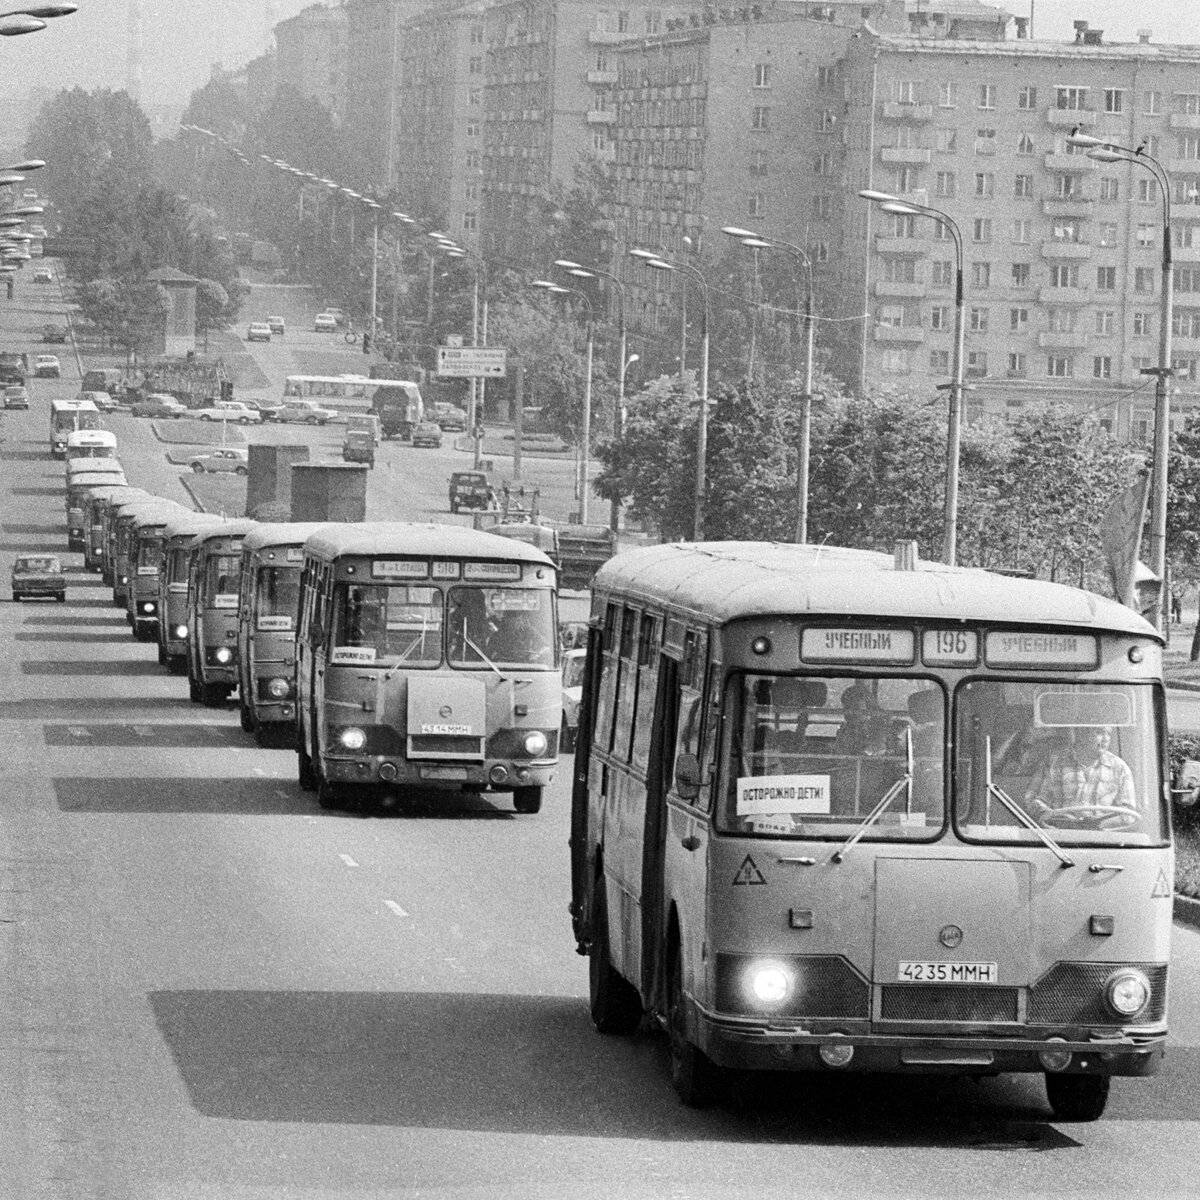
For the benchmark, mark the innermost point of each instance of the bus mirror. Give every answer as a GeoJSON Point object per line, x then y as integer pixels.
{"type": "Point", "coordinates": [1185, 790]}
{"type": "Point", "coordinates": [687, 776]}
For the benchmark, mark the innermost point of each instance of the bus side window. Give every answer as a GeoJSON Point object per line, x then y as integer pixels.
{"type": "Point", "coordinates": [642, 720]}
{"type": "Point", "coordinates": [606, 691]}
{"type": "Point", "coordinates": [625, 706]}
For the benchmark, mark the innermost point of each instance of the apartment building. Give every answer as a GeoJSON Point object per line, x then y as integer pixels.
{"type": "Point", "coordinates": [310, 55]}
{"type": "Point", "coordinates": [1061, 252]}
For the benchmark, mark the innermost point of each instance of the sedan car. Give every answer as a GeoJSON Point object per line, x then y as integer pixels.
{"type": "Point", "coordinates": [276, 325]}
{"type": "Point", "coordinates": [159, 405]}
{"type": "Point", "coordinates": [38, 575]}
{"type": "Point", "coordinates": [325, 323]}
{"type": "Point", "coordinates": [16, 396]}
{"type": "Point", "coordinates": [449, 417]}
{"type": "Point", "coordinates": [259, 331]}
{"type": "Point", "coordinates": [229, 410]}
{"type": "Point", "coordinates": [572, 697]}
{"type": "Point", "coordinates": [47, 366]}
{"type": "Point", "coordinates": [104, 401]}
{"type": "Point", "coordinates": [227, 460]}
{"type": "Point", "coordinates": [43, 275]}
{"type": "Point", "coordinates": [54, 333]}
{"type": "Point", "coordinates": [427, 433]}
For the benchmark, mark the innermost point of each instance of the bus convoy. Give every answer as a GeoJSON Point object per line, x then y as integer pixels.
{"type": "Point", "coordinates": [832, 811]}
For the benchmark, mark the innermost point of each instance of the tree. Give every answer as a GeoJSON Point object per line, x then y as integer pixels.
{"type": "Point", "coordinates": [212, 302]}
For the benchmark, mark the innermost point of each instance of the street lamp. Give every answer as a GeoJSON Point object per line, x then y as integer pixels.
{"type": "Point", "coordinates": [585, 438]}
{"type": "Point", "coordinates": [1110, 152]}
{"type": "Point", "coordinates": [656, 262]}
{"type": "Point", "coordinates": [581, 272]}
{"type": "Point", "coordinates": [756, 241]}
{"type": "Point", "coordinates": [32, 18]}
{"type": "Point", "coordinates": [902, 207]}
{"type": "Point", "coordinates": [452, 249]}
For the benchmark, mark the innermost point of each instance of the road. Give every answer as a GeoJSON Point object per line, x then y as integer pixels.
{"type": "Point", "coordinates": [212, 990]}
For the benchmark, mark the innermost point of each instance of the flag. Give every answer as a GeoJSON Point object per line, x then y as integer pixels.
{"type": "Point", "coordinates": [1121, 537]}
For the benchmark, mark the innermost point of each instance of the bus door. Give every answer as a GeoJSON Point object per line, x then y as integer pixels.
{"type": "Point", "coordinates": [582, 861]}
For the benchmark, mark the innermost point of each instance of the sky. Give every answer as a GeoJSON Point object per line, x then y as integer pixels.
{"type": "Point", "coordinates": [181, 39]}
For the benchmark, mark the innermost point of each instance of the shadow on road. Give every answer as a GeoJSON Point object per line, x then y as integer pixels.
{"type": "Point", "coordinates": [119, 669]}
{"type": "Point", "coordinates": [253, 797]}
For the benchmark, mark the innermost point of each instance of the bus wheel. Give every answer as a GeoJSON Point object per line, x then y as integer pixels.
{"type": "Point", "coordinates": [304, 767]}
{"type": "Point", "coordinates": [527, 799]}
{"type": "Point", "coordinates": [613, 1000]}
{"type": "Point", "coordinates": [246, 717]}
{"type": "Point", "coordinates": [1077, 1097]}
{"type": "Point", "coordinates": [193, 691]}
{"type": "Point", "coordinates": [213, 695]}
{"type": "Point", "coordinates": [329, 795]}
{"type": "Point", "coordinates": [693, 1074]}
{"type": "Point", "coordinates": [162, 655]}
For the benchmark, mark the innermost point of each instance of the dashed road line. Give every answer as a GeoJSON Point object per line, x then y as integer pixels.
{"type": "Point", "coordinates": [347, 860]}
{"type": "Point", "coordinates": [400, 912]}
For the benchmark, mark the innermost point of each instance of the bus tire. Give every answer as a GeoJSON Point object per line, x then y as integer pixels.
{"type": "Point", "coordinates": [245, 718]}
{"type": "Point", "coordinates": [613, 1001]}
{"type": "Point", "coordinates": [1077, 1097]}
{"type": "Point", "coordinates": [304, 767]}
{"type": "Point", "coordinates": [694, 1076]}
{"type": "Point", "coordinates": [162, 655]}
{"type": "Point", "coordinates": [329, 795]}
{"type": "Point", "coordinates": [193, 691]}
{"type": "Point", "coordinates": [213, 695]}
{"type": "Point", "coordinates": [527, 800]}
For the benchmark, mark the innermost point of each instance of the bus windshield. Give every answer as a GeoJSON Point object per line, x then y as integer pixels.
{"type": "Point", "coordinates": [1078, 759]}
{"type": "Point", "coordinates": [221, 575]}
{"type": "Point", "coordinates": [511, 626]}
{"type": "Point", "coordinates": [278, 591]}
{"type": "Point", "coordinates": [812, 757]}
{"type": "Point", "coordinates": [150, 553]}
{"type": "Point", "coordinates": [389, 623]}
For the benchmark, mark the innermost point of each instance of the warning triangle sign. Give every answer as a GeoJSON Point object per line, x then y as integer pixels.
{"type": "Point", "coordinates": [1162, 886]}
{"type": "Point", "coordinates": [748, 874]}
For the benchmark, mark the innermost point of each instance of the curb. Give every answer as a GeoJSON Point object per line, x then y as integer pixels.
{"type": "Point", "coordinates": [1182, 686]}
{"type": "Point", "coordinates": [1187, 911]}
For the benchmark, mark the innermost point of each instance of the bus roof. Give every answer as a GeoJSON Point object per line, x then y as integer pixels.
{"type": "Point", "coordinates": [422, 541]}
{"type": "Point", "coordinates": [189, 523]}
{"type": "Point", "coordinates": [136, 510]}
{"type": "Point", "coordinates": [724, 581]}
{"type": "Point", "coordinates": [156, 516]}
{"type": "Point", "coordinates": [85, 437]}
{"type": "Point", "coordinates": [88, 479]}
{"type": "Point", "coordinates": [281, 533]}
{"type": "Point", "coordinates": [233, 527]}
{"type": "Point", "coordinates": [73, 406]}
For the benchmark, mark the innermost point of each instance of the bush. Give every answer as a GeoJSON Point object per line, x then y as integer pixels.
{"type": "Point", "coordinates": [1181, 746]}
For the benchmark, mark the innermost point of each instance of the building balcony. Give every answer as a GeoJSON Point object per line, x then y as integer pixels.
{"type": "Point", "coordinates": [1066, 250]}
{"type": "Point", "coordinates": [601, 116]}
{"type": "Point", "coordinates": [900, 291]}
{"type": "Point", "coordinates": [1060, 118]}
{"type": "Point", "coordinates": [899, 335]}
{"type": "Point", "coordinates": [1186, 254]}
{"type": "Point", "coordinates": [1054, 339]}
{"type": "Point", "coordinates": [1182, 166]}
{"type": "Point", "coordinates": [1069, 206]}
{"type": "Point", "coordinates": [1184, 120]}
{"type": "Point", "coordinates": [905, 154]}
{"type": "Point", "coordinates": [897, 245]}
{"type": "Point", "coordinates": [1069, 162]}
{"type": "Point", "coordinates": [894, 111]}
{"type": "Point", "coordinates": [1064, 295]}
{"type": "Point", "coordinates": [602, 77]}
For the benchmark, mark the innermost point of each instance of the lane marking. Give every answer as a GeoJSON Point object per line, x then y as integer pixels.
{"type": "Point", "coordinates": [143, 731]}
{"type": "Point", "coordinates": [79, 731]}
{"type": "Point", "coordinates": [287, 796]}
{"type": "Point", "coordinates": [347, 860]}
{"type": "Point", "coordinates": [396, 908]}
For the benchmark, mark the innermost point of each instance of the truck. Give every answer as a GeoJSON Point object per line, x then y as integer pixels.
{"type": "Point", "coordinates": [582, 551]}
{"type": "Point", "coordinates": [399, 408]}
{"type": "Point", "coordinates": [360, 439]}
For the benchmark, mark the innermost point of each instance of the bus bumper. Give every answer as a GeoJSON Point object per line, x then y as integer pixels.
{"type": "Point", "coordinates": [488, 776]}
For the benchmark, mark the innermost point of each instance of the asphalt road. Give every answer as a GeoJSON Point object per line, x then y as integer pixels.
{"type": "Point", "coordinates": [212, 990]}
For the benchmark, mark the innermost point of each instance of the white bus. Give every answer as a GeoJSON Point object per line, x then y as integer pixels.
{"type": "Point", "coordinates": [91, 443]}
{"type": "Point", "coordinates": [397, 402]}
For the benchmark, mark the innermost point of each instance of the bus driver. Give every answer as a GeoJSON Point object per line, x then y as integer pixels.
{"type": "Point", "coordinates": [1082, 771]}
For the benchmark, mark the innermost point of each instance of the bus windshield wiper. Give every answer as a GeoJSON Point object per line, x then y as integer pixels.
{"type": "Point", "coordinates": [904, 782]}
{"type": "Point", "coordinates": [481, 654]}
{"type": "Point", "coordinates": [1023, 818]}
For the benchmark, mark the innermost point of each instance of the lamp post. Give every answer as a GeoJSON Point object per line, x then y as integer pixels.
{"type": "Point", "coordinates": [657, 262]}
{"type": "Point", "coordinates": [901, 207]}
{"type": "Point", "coordinates": [453, 249]}
{"type": "Point", "coordinates": [1110, 152]}
{"type": "Point", "coordinates": [582, 272]}
{"type": "Point", "coordinates": [756, 241]}
{"type": "Point", "coordinates": [585, 437]}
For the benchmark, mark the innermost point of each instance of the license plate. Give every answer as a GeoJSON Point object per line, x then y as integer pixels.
{"type": "Point", "coordinates": [945, 972]}
{"type": "Point", "coordinates": [444, 773]}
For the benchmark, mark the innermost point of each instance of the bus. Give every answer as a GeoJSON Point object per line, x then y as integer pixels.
{"type": "Point", "coordinates": [122, 527]}
{"type": "Point", "coordinates": [426, 656]}
{"type": "Point", "coordinates": [146, 542]}
{"type": "Point", "coordinates": [212, 611]}
{"type": "Point", "coordinates": [397, 402]}
{"type": "Point", "coordinates": [91, 443]}
{"type": "Point", "coordinates": [95, 501]}
{"type": "Point", "coordinates": [88, 473]}
{"type": "Point", "coordinates": [835, 811]}
{"type": "Point", "coordinates": [179, 537]}
{"type": "Point", "coordinates": [67, 416]}
{"type": "Point", "coordinates": [272, 556]}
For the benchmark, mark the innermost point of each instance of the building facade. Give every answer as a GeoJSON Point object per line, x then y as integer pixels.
{"type": "Point", "coordinates": [310, 54]}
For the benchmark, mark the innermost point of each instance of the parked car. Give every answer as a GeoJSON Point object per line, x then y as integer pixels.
{"type": "Point", "coordinates": [16, 396]}
{"type": "Point", "coordinates": [427, 433]}
{"type": "Point", "coordinates": [229, 410]}
{"type": "Point", "coordinates": [276, 325]}
{"type": "Point", "coordinates": [572, 696]}
{"type": "Point", "coordinates": [43, 275]}
{"type": "Point", "coordinates": [159, 405]}
{"type": "Point", "coordinates": [339, 317]}
{"type": "Point", "coordinates": [47, 366]}
{"type": "Point", "coordinates": [325, 323]}
{"type": "Point", "coordinates": [449, 417]}
{"type": "Point", "coordinates": [38, 575]}
{"type": "Point", "coordinates": [227, 459]}
{"type": "Point", "coordinates": [259, 331]}
{"type": "Point", "coordinates": [104, 401]}
{"type": "Point", "coordinates": [303, 412]}
{"type": "Point", "coordinates": [54, 333]}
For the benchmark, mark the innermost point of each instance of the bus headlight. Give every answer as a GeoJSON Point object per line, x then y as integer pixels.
{"type": "Point", "coordinates": [353, 738]}
{"type": "Point", "coordinates": [278, 688]}
{"type": "Point", "coordinates": [223, 655]}
{"type": "Point", "coordinates": [181, 632]}
{"type": "Point", "coordinates": [1127, 992]}
{"type": "Point", "coordinates": [768, 982]}
{"type": "Point", "coordinates": [148, 606]}
{"type": "Point", "coordinates": [123, 579]}
{"type": "Point", "coordinates": [535, 743]}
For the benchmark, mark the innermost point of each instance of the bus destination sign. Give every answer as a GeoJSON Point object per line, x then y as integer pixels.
{"type": "Point", "coordinates": [839, 645]}
{"type": "Point", "coordinates": [1036, 648]}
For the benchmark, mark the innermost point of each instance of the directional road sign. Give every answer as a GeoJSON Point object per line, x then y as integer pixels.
{"type": "Point", "coordinates": [468, 362]}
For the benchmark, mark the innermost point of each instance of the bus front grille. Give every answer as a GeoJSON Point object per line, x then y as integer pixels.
{"type": "Point", "coordinates": [426, 744]}
{"type": "Point", "coordinates": [1072, 993]}
{"type": "Point", "coordinates": [931, 1002]}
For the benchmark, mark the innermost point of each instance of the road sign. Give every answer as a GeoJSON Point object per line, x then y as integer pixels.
{"type": "Point", "coordinates": [466, 362]}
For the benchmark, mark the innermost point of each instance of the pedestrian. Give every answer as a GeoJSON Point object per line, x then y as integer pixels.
{"type": "Point", "coordinates": [1176, 608]}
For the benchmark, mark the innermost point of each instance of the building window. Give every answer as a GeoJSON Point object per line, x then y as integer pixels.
{"type": "Point", "coordinates": [1102, 367]}
{"type": "Point", "coordinates": [908, 91]}
{"type": "Point", "coordinates": [1145, 237]}
{"type": "Point", "coordinates": [979, 320]}
{"type": "Point", "coordinates": [891, 315]}
{"type": "Point", "coordinates": [760, 118]}
{"type": "Point", "coordinates": [1066, 229]}
{"type": "Point", "coordinates": [762, 75]}
{"type": "Point", "coordinates": [1105, 321]}
{"type": "Point", "coordinates": [474, 97]}
{"type": "Point", "coordinates": [1020, 275]}
{"type": "Point", "coordinates": [472, 129]}
{"type": "Point", "coordinates": [1147, 190]}
{"type": "Point", "coordinates": [1027, 98]}
{"type": "Point", "coordinates": [826, 76]}
{"type": "Point", "coordinates": [942, 273]}
{"type": "Point", "coordinates": [1188, 146]}
{"type": "Point", "coordinates": [976, 363]}
{"type": "Point", "coordinates": [758, 163]}
{"type": "Point", "coordinates": [946, 141]}
{"type": "Point", "coordinates": [1143, 279]}
{"type": "Point", "coordinates": [475, 65]}
{"type": "Point", "coordinates": [1107, 233]}
{"type": "Point", "coordinates": [1065, 275]}
{"type": "Point", "coordinates": [1062, 320]}
{"type": "Point", "coordinates": [1114, 102]}
{"type": "Point", "coordinates": [819, 252]}
{"type": "Point", "coordinates": [471, 160]}
{"type": "Point", "coordinates": [470, 222]}
{"type": "Point", "coordinates": [471, 191]}
{"type": "Point", "coordinates": [903, 225]}
{"type": "Point", "coordinates": [1023, 186]}
{"type": "Point", "coordinates": [948, 95]}
{"type": "Point", "coordinates": [939, 317]}
{"type": "Point", "coordinates": [1018, 319]}
{"type": "Point", "coordinates": [1025, 145]}
{"type": "Point", "coordinates": [1060, 366]}
{"type": "Point", "coordinates": [827, 121]}
{"type": "Point", "coordinates": [476, 35]}
{"type": "Point", "coordinates": [986, 96]}
{"type": "Point", "coordinates": [939, 362]}
{"type": "Point", "coordinates": [1140, 425]}
{"type": "Point", "coordinates": [1016, 363]}
{"type": "Point", "coordinates": [943, 184]}
{"type": "Point", "coordinates": [1141, 324]}
{"type": "Point", "coordinates": [985, 184]}
{"type": "Point", "coordinates": [1152, 103]}
{"type": "Point", "coordinates": [1070, 97]}
{"type": "Point", "coordinates": [981, 275]}
{"type": "Point", "coordinates": [899, 270]}
{"type": "Point", "coordinates": [623, 21]}
{"type": "Point", "coordinates": [895, 362]}
{"type": "Point", "coordinates": [985, 141]}
{"type": "Point", "coordinates": [652, 22]}
{"type": "Point", "coordinates": [1106, 279]}
{"type": "Point", "coordinates": [1110, 190]}
{"type": "Point", "coordinates": [822, 164]}
{"type": "Point", "coordinates": [981, 230]}
{"type": "Point", "coordinates": [1066, 187]}
{"type": "Point", "coordinates": [755, 205]}
{"type": "Point", "coordinates": [1021, 231]}
{"type": "Point", "coordinates": [1188, 103]}
{"type": "Point", "coordinates": [821, 208]}
{"type": "Point", "coordinates": [908, 179]}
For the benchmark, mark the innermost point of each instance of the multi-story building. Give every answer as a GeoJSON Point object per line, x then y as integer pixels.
{"type": "Point", "coordinates": [1061, 251]}
{"type": "Point", "coordinates": [310, 54]}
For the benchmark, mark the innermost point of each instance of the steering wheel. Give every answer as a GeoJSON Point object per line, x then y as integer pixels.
{"type": "Point", "coordinates": [1105, 816]}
